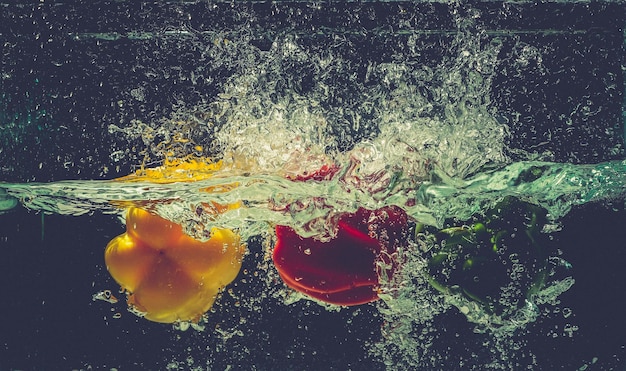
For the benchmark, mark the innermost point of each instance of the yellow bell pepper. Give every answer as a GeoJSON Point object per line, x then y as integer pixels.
{"type": "Point", "coordinates": [168, 275]}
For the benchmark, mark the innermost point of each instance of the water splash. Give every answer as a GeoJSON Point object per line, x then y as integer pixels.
{"type": "Point", "coordinates": [555, 187]}
{"type": "Point", "coordinates": [413, 126]}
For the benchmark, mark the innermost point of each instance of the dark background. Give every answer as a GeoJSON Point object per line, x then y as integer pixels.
{"type": "Point", "coordinates": [64, 69]}
{"type": "Point", "coordinates": [68, 71]}
{"type": "Point", "coordinates": [50, 322]}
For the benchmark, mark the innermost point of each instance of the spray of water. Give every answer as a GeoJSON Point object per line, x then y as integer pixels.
{"type": "Point", "coordinates": [421, 135]}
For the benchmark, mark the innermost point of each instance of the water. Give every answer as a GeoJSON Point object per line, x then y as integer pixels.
{"type": "Point", "coordinates": [449, 111]}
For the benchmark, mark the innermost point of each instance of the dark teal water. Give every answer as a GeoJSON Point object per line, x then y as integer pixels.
{"type": "Point", "coordinates": [91, 91]}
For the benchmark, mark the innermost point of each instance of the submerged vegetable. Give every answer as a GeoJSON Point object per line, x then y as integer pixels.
{"type": "Point", "coordinates": [344, 270]}
{"type": "Point", "coordinates": [168, 275]}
